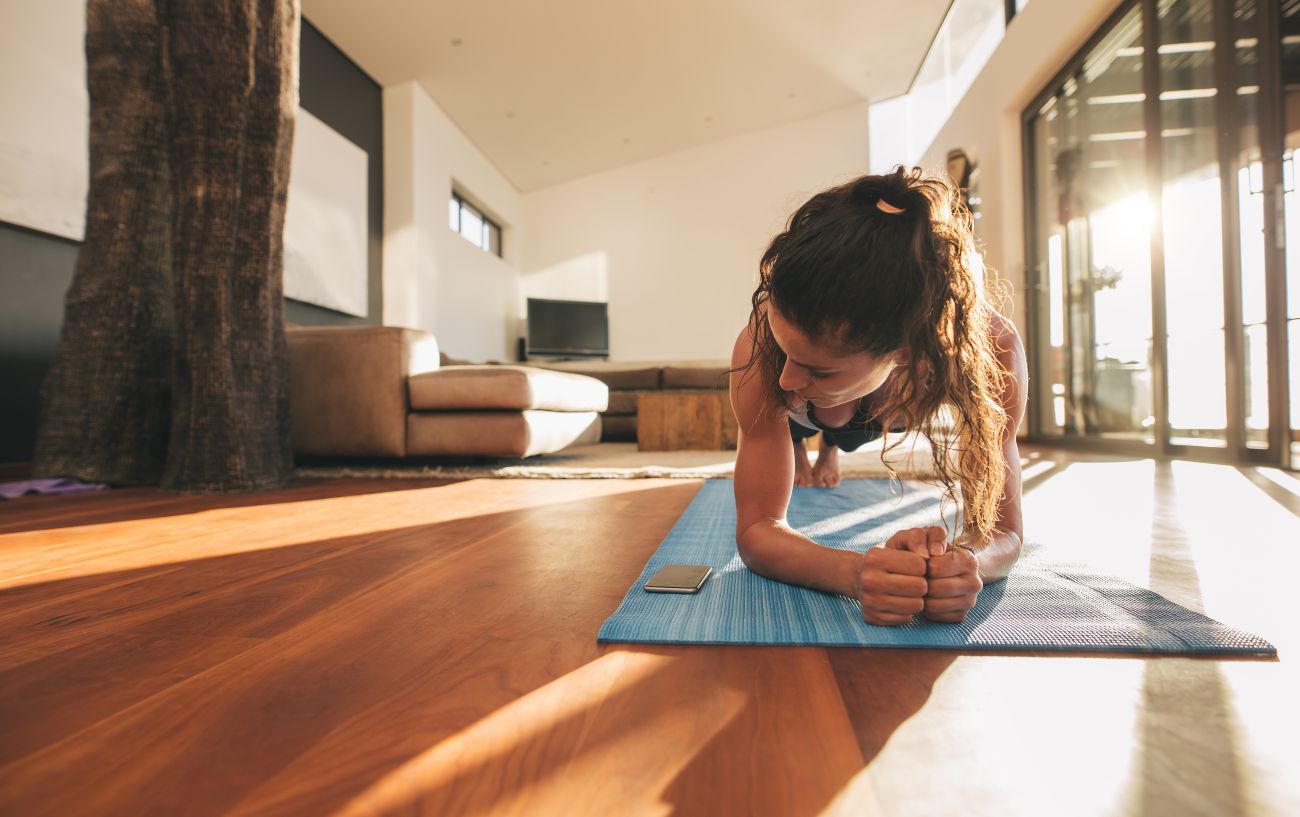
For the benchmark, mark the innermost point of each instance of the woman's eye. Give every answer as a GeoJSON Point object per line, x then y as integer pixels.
{"type": "Point", "coordinates": [818, 375]}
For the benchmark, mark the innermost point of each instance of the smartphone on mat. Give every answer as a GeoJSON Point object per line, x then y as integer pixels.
{"type": "Point", "coordinates": [678, 579]}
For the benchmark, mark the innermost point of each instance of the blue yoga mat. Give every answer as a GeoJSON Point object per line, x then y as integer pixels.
{"type": "Point", "coordinates": [1038, 607]}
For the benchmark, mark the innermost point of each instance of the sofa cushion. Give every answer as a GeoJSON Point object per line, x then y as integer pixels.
{"type": "Point", "coordinates": [702, 376]}
{"type": "Point", "coordinates": [619, 376]}
{"type": "Point", "coordinates": [621, 402]}
{"type": "Point", "coordinates": [505, 387]}
{"type": "Point", "coordinates": [497, 433]}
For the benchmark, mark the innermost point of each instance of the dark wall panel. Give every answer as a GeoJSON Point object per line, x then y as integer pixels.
{"type": "Point", "coordinates": [36, 268]}
{"type": "Point", "coordinates": [35, 271]}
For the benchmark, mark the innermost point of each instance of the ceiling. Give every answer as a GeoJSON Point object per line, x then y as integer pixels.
{"type": "Point", "coordinates": [554, 90]}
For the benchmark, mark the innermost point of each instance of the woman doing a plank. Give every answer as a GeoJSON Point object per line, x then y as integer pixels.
{"type": "Point", "coordinates": [871, 319]}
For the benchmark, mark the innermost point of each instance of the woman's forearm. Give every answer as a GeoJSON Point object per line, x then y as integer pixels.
{"type": "Point", "coordinates": [774, 550]}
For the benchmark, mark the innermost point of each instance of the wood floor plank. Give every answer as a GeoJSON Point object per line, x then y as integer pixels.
{"type": "Point", "coordinates": [649, 731]}
{"type": "Point", "coordinates": [47, 513]}
{"type": "Point", "coordinates": [421, 634]}
{"type": "Point", "coordinates": [48, 700]}
{"type": "Point", "coordinates": [67, 600]}
{"type": "Point", "coordinates": [38, 556]}
{"type": "Point", "coordinates": [376, 647]}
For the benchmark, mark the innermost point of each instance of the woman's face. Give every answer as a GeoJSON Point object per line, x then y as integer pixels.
{"type": "Point", "coordinates": [823, 375]}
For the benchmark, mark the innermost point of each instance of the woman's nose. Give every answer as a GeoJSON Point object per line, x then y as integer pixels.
{"type": "Point", "coordinates": [792, 377]}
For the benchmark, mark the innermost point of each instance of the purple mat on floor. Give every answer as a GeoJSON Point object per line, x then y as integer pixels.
{"type": "Point", "coordinates": [48, 487]}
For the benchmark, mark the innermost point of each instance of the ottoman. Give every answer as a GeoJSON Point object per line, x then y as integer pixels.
{"type": "Point", "coordinates": [501, 411]}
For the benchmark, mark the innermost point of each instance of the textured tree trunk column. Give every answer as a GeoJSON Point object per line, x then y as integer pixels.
{"type": "Point", "coordinates": [232, 79]}
{"type": "Point", "coordinates": [105, 410]}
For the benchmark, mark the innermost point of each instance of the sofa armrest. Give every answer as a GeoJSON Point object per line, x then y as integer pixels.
{"type": "Point", "coordinates": [347, 387]}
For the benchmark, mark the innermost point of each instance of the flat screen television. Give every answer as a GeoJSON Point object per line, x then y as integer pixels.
{"type": "Point", "coordinates": [568, 328]}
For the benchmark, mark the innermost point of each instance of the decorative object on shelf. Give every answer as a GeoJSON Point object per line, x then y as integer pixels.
{"type": "Point", "coordinates": [959, 170]}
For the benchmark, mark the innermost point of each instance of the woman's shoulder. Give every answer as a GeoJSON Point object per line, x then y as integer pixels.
{"type": "Point", "coordinates": [1005, 336]}
{"type": "Point", "coordinates": [1001, 326]}
{"type": "Point", "coordinates": [745, 350]}
{"type": "Point", "coordinates": [752, 392]}
{"type": "Point", "coordinates": [1010, 350]}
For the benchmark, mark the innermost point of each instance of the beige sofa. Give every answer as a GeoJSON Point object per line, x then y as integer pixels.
{"type": "Point", "coordinates": [379, 391]}
{"type": "Point", "coordinates": [627, 380]}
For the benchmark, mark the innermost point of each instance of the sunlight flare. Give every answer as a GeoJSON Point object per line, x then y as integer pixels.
{"type": "Point", "coordinates": [1281, 479]}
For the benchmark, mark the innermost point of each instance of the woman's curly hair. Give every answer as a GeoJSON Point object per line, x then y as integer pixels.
{"type": "Point", "coordinates": [865, 278]}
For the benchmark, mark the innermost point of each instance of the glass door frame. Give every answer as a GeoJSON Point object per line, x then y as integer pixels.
{"type": "Point", "coordinates": [1269, 124]}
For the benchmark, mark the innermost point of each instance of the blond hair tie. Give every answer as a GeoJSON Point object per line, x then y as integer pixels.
{"type": "Point", "coordinates": [886, 207]}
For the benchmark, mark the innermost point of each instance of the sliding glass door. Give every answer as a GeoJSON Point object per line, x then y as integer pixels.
{"type": "Point", "coordinates": [1093, 238]}
{"type": "Point", "coordinates": [1246, 153]}
{"type": "Point", "coordinates": [1162, 323]}
{"type": "Point", "coordinates": [1288, 42]}
{"type": "Point", "coordinates": [1192, 219]}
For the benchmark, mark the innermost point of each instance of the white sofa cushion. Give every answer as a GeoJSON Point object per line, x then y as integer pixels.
{"type": "Point", "coordinates": [518, 388]}
{"type": "Point", "coordinates": [497, 433]}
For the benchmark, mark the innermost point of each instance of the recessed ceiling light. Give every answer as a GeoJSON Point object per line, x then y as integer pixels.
{"type": "Point", "coordinates": [791, 95]}
{"type": "Point", "coordinates": [510, 114]}
{"type": "Point", "coordinates": [708, 118]}
{"type": "Point", "coordinates": [626, 140]}
{"type": "Point", "coordinates": [546, 163]}
{"type": "Point", "coordinates": [457, 41]}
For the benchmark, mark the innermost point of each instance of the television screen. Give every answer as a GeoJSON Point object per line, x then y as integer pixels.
{"type": "Point", "coordinates": [568, 328]}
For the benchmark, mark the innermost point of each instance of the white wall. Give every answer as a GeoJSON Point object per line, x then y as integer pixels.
{"type": "Point", "coordinates": [986, 123]}
{"type": "Point", "coordinates": [43, 118]}
{"type": "Point", "coordinates": [675, 241]}
{"type": "Point", "coordinates": [433, 278]}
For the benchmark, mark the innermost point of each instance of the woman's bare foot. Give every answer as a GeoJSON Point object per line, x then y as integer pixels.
{"type": "Point", "coordinates": [826, 473]}
{"type": "Point", "coordinates": [803, 470]}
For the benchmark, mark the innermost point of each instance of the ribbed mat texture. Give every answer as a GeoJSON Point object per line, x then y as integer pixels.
{"type": "Point", "coordinates": [1039, 607]}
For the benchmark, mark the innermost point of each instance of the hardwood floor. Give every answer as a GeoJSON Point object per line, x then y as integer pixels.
{"type": "Point", "coordinates": [371, 647]}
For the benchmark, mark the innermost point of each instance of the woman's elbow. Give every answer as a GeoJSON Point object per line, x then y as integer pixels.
{"type": "Point", "coordinates": [1008, 554]}
{"type": "Point", "coordinates": [749, 534]}
{"type": "Point", "coordinates": [745, 547]}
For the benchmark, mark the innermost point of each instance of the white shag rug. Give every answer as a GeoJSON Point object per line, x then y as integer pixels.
{"type": "Point", "coordinates": [911, 459]}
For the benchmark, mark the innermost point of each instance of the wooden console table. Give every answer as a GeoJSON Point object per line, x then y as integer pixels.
{"type": "Point", "coordinates": [685, 419]}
